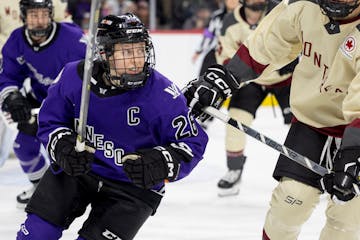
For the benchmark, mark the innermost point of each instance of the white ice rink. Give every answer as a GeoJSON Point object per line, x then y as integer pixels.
{"type": "Point", "coordinates": [191, 209]}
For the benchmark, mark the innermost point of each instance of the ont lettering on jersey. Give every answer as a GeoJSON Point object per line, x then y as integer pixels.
{"type": "Point", "coordinates": [308, 52]}
{"type": "Point", "coordinates": [219, 48]}
{"type": "Point", "coordinates": [108, 147]}
{"type": "Point", "coordinates": [317, 61]}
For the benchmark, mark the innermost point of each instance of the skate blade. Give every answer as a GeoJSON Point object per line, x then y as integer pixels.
{"type": "Point", "coordinates": [21, 206]}
{"type": "Point", "coordinates": [228, 192]}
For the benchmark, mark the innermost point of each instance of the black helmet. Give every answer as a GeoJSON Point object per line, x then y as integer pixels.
{"type": "Point", "coordinates": [126, 28]}
{"type": "Point", "coordinates": [255, 6]}
{"type": "Point", "coordinates": [338, 9]}
{"type": "Point", "coordinates": [31, 4]}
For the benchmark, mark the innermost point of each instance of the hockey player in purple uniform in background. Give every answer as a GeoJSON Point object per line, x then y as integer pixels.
{"type": "Point", "coordinates": [38, 50]}
{"type": "Point", "coordinates": [140, 126]}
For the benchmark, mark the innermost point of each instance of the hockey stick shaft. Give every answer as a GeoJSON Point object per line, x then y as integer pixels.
{"type": "Point", "coordinates": [289, 153]}
{"type": "Point", "coordinates": [85, 92]}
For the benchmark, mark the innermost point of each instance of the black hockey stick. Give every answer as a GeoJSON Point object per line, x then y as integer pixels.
{"type": "Point", "coordinates": [291, 154]}
{"type": "Point", "coordinates": [85, 92]}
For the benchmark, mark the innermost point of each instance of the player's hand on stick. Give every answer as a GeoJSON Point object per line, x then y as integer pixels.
{"type": "Point", "coordinates": [149, 167]}
{"type": "Point", "coordinates": [343, 183]}
{"type": "Point", "coordinates": [72, 162]}
{"type": "Point", "coordinates": [17, 106]}
{"type": "Point", "coordinates": [210, 89]}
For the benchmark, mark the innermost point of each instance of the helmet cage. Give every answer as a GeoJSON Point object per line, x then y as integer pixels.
{"type": "Point", "coordinates": [124, 29]}
{"type": "Point", "coordinates": [256, 7]}
{"type": "Point", "coordinates": [31, 4]}
{"type": "Point", "coordinates": [336, 9]}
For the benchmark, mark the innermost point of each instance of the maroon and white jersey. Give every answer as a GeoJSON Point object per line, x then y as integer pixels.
{"type": "Point", "coordinates": [325, 90]}
{"type": "Point", "coordinates": [234, 32]}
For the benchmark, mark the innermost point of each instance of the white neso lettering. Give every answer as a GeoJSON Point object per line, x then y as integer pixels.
{"type": "Point", "coordinates": [118, 156]}
{"type": "Point", "coordinates": [99, 140]}
{"type": "Point", "coordinates": [109, 151]}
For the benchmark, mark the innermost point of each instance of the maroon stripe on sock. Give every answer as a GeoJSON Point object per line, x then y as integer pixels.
{"type": "Point", "coordinates": [265, 237]}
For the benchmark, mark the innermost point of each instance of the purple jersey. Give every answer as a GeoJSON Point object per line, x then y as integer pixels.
{"type": "Point", "coordinates": [120, 122]}
{"type": "Point", "coordinates": [42, 63]}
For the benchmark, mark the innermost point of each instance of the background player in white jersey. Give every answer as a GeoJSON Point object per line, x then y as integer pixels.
{"type": "Point", "coordinates": [210, 35]}
{"type": "Point", "coordinates": [237, 26]}
{"type": "Point", "coordinates": [10, 20]}
{"type": "Point", "coordinates": [209, 40]}
{"type": "Point", "coordinates": [325, 101]}
{"type": "Point", "coordinates": [38, 50]}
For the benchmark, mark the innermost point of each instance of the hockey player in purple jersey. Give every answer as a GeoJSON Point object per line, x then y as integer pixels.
{"type": "Point", "coordinates": [38, 50]}
{"type": "Point", "coordinates": [140, 126]}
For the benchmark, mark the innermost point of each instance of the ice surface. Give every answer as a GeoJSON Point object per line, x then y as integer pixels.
{"type": "Point", "coordinates": [191, 209]}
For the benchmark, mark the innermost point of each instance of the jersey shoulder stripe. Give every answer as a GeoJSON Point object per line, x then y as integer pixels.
{"type": "Point", "coordinates": [229, 20]}
{"type": "Point", "coordinates": [358, 27]}
{"type": "Point", "coordinates": [218, 14]}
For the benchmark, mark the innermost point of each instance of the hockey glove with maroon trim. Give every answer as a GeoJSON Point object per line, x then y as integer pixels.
{"type": "Point", "coordinates": [18, 107]}
{"type": "Point", "coordinates": [343, 183]}
{"type": "Point", "coordinates": [149, 167]}
{"type": "Point", "coordinates": [72, 162]}
{"type": "Point", "coordinates": [210, 89]}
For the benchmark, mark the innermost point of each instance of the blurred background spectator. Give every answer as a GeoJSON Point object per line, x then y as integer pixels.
{"type": "Point", "coordinates": [156, 14]}
{"type": "Point", "coordinates": [80, 11]}
{"type": "Point", "coordinates": [198, 19]}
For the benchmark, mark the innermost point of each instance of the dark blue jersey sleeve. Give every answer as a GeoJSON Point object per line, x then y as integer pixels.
{"type": "Point", "coordinates": [174, 126]}
{"type": "Point", "coordinates": [13, 71]}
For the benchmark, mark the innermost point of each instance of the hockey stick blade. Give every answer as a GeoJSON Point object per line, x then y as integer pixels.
{"type": "Point", "coordinates": [289, 153]}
